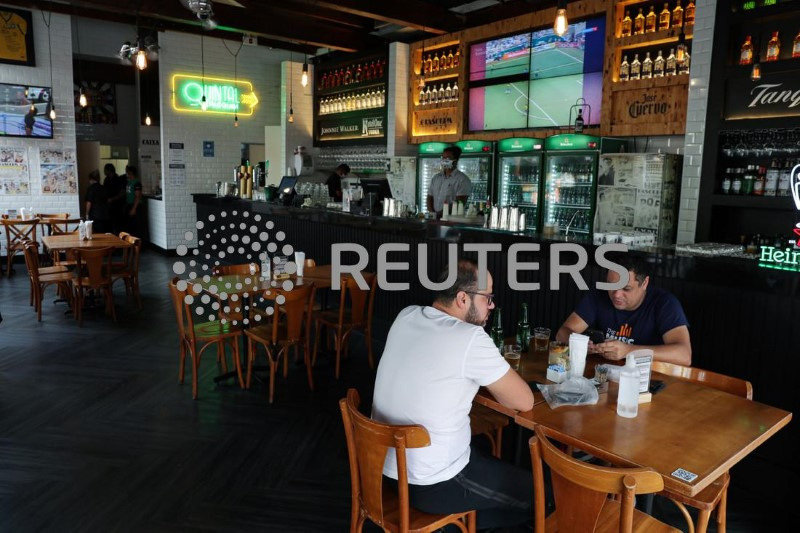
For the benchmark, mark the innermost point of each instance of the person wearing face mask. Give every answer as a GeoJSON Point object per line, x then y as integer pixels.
{"type": "Point", "coordinates": [435, 360]}
{"type": "Point", "coordinates": [450, 184]}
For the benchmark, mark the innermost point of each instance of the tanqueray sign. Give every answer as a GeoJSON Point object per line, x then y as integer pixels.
{"type": "Point", "coordinates": [224, 96]}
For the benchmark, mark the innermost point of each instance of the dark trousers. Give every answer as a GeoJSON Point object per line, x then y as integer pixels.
{"type": "Point", "coordinates": [501, 493]}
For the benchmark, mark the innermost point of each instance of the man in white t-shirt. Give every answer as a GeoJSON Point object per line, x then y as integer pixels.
{"type": "Point", "coordinates": [436, 358]}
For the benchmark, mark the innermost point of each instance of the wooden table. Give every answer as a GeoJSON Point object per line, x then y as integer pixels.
{"type": "Point", "coordinates": [689, 426]}
{"type": "Point", "coordinates": [72, 241]}
{"type": "Point", "coordinates": [241, 283]}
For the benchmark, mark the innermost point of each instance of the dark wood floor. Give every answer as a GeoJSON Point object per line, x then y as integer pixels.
{"type": "Point", "coordinates": [96, 434]}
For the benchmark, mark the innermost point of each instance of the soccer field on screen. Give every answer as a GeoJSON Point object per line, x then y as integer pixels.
{"type": "Point", "coordinates": [554, 62]}
{"type": "Point", "coordinates": [506, 67]}
{"type": "Point", "coordinates": [507, 106]}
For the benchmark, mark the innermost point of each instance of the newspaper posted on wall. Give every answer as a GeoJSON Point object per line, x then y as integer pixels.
{"type": "Point", "coordinates": [59, 172]}
{"type": "Point", "coordinates": [616, 207]}
{"type": "Point", "coordinates": [14, 172]}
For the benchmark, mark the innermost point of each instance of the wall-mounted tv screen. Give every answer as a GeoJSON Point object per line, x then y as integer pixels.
{"type": "Point", "coordinates": [532, 79]}
{"type": "Point", "coordinates": [24, 111]}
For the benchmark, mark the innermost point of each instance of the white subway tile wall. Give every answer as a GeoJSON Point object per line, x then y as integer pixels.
{"type": "Point", "coordinates": [696, 118]}
{"type": "Point", "coordinates": [64, 125]}
{"type": "Point", "coordinates": [171, 218]}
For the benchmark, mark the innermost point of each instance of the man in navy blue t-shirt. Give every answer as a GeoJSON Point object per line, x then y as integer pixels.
{"type": "Point", "coordinates": [636, 316]}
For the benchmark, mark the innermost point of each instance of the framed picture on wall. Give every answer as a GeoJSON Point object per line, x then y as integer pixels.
{"type": "Point", "coordinates": [16, 37]}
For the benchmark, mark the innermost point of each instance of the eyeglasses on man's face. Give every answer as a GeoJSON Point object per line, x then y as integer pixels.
{"type": "Point", "coordinates": [489, 296]}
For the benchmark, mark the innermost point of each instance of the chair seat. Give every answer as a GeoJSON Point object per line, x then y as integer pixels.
{"type": "Point", "coordinates": [417, 520]}
{"type": "Point", "coordinates": [86, 282]}
{"type": "Point", "coordinates": [608, 521]}
{"type": "Point", "coordinates": [56, 277]}
{"type": "Point", "coordinates": [707, 499]}
{"type": "Point", "coordinates": [52, 269]}
{"type": "Point", "coordinates": [332, 318]}
{"type": "Point", "coordinates": [215, 328]}
{"type": "Point", "coordinates": [263, 334]}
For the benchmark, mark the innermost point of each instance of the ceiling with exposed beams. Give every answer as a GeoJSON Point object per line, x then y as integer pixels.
{"type": "Point", "coordinates": [303, 25]}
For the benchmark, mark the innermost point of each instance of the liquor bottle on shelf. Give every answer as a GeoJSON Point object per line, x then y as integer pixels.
{"type": "Point", "coordinates": [454, 93]}
{"type": "Point", "coordinates": [428, 95]}
{"type": "Point", "coordinates": [746, 54]}
{"type": "Point", "coordinates": [368, 70]}
{"type": "Point", "coordinates": [759, 182]}
{"type": "Point", "coordinates": [450, 59]}
{"type": "Point", "coordinates": [658, 66]}
{"type": "Point", "coordinates": [428, 64]}
{"type": "Point", "coordinates": [381, 67]}
{"type": "Point", "coordinates": [671, 63]}
{"type": "Point", "coordinates": [773, 48]}
{"type": "Point", "coordinates": [359, 74]}
{"type": "Point", "coordinates": [683, 67]}
{"type": "Point", "coordinates": [772, 177]}
{"type": "Point", "coordinates": [382, 98]}
{"type": "Point", "coordinates": [636, 68]}
{"type": "Point", "coordinates": [647, 67]}
{"type": "Point", "coordinates": [448, 93]}
{"type": "Point", "coordinates": [638, 23]}
{"type": "Point", "coordinates": [726, 182]}
{"type": "Point", "coordinates": [664, 17]}
{"type": "Point", "coordinates": [457, 58]}
{"type": "Point", "coordinates": [435, 95]}
{"type": "Point", "coordinates": [650, 21]}
{"type": "Point", "coordinates": [748, 181]}
{"type": "Point", "coordinates": [348, 76]}
{"type": "Point", "coordinates": [627, 23]}
{"type": "Point", "coordinates": [323, 82]}
{"type": "Point", "coordinates": [579, 121]}
{"type": "Point", "coordinates": [435, 64]}
{"type": "Point", "coordinates": [785, 179]}
{"type": "Point", "coordinates": [796, 46]}
{"type": "Point", "coordinates": [624, 69]}
{"type": "Point", "coordinates": [688, 13]}
{"type": "Point", "coordinates": [677, 16]}
{"type": "Point", "coordinates": [736, 184]}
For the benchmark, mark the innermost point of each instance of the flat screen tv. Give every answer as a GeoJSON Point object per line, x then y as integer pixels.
{"type": "Point", "coordinates": [531, 80]}
{"type": "Point", "coordinates": [24, 111]}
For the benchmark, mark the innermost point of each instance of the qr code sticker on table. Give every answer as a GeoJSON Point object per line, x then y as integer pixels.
{"type": "Point", "coordinates": [685, 475]}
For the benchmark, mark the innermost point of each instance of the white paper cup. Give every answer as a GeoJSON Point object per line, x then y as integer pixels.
{"type": "Point", "coordinates": [578, 348]}
{"type": "Point", "coordinates": [300, 261]}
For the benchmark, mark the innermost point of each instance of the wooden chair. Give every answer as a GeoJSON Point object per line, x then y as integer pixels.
{"type": "Point", "coordinates": [17, 233]}
{"type": "Point", "coordinates": [129, 273]}
{"type": "Point", "coordinates": [345, 320]}
{"type": "Point", "coordinates": [40, 278]}
{"type": "Point", "coordinates": [93, 271]}
{"type": "Point", "coordinates": [62, 226]}
{"type": "Point", "coordinates": [485, 421]}
{"type": "Point", "coordinates": [279, 336]}
{"type": "Point", "coordinates": [581, 493]}
{"type": "Point", "coordinates": [213, 333]}
{"type": "Point", "coordinates": [715, 496]}
{"type": "Point", "coordinates": [252, 269]}
{"type": "Point", "coordinates": [367, 444]}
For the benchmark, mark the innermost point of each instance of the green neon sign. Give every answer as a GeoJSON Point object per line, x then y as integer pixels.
{"type": "Point", "coordinates": [223, 96]}
{"type": "Point", "coordinates": [777, 259]}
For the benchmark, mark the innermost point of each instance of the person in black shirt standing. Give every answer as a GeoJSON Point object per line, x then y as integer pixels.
{"type": "Point", "coordinates": [97, 204]}
{"type": "Point", "coordinates": [115, 190]}
{"type": "Point", "coordinates": [334, 182]}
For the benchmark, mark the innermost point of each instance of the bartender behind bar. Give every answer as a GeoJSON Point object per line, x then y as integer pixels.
{"type": "Point", "coordinates": [334, 182]}
{"type": "Point", "coordinates": [450, 184]}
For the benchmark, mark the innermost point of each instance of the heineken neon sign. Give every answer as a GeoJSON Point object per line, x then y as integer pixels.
{"type": "Point", "coordinates": [223, 96]}
{"type": "Point", "coordinates": [788, 259]}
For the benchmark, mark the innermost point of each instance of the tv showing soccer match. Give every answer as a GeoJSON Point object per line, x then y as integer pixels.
{"type": "Point", "coordinates": [24, 111]}
{"type": "Point", "coordinates": [533, 85]}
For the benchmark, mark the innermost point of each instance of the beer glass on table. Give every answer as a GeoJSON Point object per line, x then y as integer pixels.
{"type": "Point", "coordinates": [541, 341]}
{"type": "Point", "coordinates": [512, 354]}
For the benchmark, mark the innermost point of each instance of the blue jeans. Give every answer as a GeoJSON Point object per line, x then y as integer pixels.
{"type": "Point", "coordinates": [501, 493]}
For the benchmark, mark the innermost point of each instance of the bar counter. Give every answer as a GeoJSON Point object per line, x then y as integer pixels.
{"type": "Point", "coordinates": [743, 318]}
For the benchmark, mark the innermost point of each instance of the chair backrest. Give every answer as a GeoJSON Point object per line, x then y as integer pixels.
{"type": "Point", "coordinates": [18, 231]}
{"type": "Point", "coordinates": [62, 226]}
{"type": "Point", "coordinates": [94, 265]}
{"type": "Point", "coordinates": [135, 254]}
{"type": "Point", "coordinates": [178, 295]}
{"type": "Point", "coordinates": [367, 444]}
{"type": "Point", "coordinates": [729, 384]}
{"type": "Point", "coordinates": [123, 235]}
{"type": "Point", "coordinates": [310, 263]}
{"type": "Point", "coordinates": [52, 215]}
{"type": "Point", "coordinates": [295, 304]}
{"type": "Point", "coordinates": [230, 270]}
{"type": "Point", "coordinates": [581, 489]}
{"type": "Point", "coordinates": [31, 252]}
{"type": "Point", "coordinates": [361, 301]}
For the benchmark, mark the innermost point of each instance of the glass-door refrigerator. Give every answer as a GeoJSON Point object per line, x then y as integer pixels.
{"type": "Point", "coordinates": [519, 169]}
{"type": "Point", "coordinates": [570, 186]}
{"type": "Point", "coordinates": [477, 162]}
{"type": "Point", "coordinates": [428, 165]}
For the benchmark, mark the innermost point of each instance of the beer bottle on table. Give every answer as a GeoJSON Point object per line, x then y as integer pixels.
{"type": "Point", "coordinates": [523, 328]}
{"type": "Point", "coordinates": [497, 328]}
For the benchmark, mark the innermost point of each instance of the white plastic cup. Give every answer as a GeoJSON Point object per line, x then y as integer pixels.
{"type": "Point", "coordinates": [578, 348]}
{"type": "Point", "coordinates": [300, 261]}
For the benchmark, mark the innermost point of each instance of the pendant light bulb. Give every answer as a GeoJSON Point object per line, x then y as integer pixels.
{"type": "Point", "coordinates": [680, 53]}
{"type": "Point", "coordinates": [235, 120]}
{"type": "Point", "coordinates": [141, 59]}
{"type": "Point", "coordinates": [755, 73]}
{"type": "Point", "coordinates": [291, 116]}
{"type": "Point", "coordinates": [52, 112]}
{"type": "Point", "coordinates": [304, 77]}
{"type": "Point", "coordinates": [147, 121]}
{"type": "Point", "coordinates": [203, 103]}
{"type": "Point", "coordinates": [82, 100]}
{"type": "Point", "coordinates": [561, 23]}
{"type": "Point", "coordinates": [33, 107]}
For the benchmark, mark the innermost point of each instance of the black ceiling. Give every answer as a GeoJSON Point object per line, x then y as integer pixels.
{"type": "Point", "coordinates": [304, 25]}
